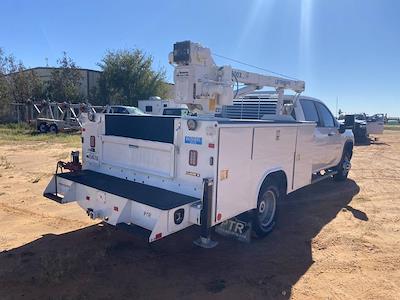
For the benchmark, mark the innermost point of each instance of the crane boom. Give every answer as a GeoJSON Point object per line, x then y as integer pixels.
{"type": "Point", "coordinates": [204, 86]}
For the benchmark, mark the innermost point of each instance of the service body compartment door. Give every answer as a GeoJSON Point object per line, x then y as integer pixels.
{"type": "Point", "coordinates": [145, 156]}
{"type": "Point", "coordinates": [235, 147]}
{"type": "Point", "coordinates": [302, 171]}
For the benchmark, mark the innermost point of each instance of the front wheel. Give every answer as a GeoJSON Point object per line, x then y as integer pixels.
{"type": "Point", "coordinates": [343, 168]}
{"type": "Point", "coordinates": [264, 215]}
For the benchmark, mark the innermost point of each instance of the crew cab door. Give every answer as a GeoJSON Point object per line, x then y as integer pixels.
{"type": "Point", "coordinates": [326, 134]}
{"type": "Point", "coordinates": [329, 126]}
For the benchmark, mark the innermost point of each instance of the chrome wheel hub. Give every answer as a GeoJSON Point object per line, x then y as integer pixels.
{"type": "Point", "coordinates": [266, 208]}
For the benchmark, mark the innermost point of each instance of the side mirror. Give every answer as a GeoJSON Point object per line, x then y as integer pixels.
{"type": "Point", "coordinates": [349, 121]}
{"type": "Point", "coordinates": [342, 128]}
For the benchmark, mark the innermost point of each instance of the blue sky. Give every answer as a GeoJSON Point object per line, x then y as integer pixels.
{"type": "Point", "coordinates": [348, 49]}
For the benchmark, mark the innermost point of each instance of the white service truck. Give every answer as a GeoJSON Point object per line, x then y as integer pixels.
{"type": "Point", "coordinates": [165, 173]}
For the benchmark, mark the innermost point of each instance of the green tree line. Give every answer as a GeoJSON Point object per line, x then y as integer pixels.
{"type": "Point", "coordinates": [127, 76]}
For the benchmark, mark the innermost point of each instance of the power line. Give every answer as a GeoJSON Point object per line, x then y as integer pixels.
{"type": "Point", "coordinates": [253, 66]}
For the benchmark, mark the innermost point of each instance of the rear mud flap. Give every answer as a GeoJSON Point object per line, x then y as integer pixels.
{"type": "Point", "coordinates": [235, 228]}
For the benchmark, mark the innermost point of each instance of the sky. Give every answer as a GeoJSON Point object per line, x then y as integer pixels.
{"type": "Point", "coordinates": [346, 51]}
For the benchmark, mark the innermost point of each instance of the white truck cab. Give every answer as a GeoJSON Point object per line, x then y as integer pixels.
{"type": "Point", "coordinates": [330, 140]}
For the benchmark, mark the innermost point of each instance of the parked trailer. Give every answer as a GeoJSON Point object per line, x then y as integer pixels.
{"type": "Point", "coordinates": [49, 116]}
{"type": "Point", "coordinates": [166, 173]}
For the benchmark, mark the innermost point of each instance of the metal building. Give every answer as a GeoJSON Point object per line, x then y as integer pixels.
{"type": "Point", "coordinates": [89, 78]}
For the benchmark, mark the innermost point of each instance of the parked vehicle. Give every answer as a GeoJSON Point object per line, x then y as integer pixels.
{"type": "Point", "coordinates": [55, 116]}
{"type": "Point", "coordinates": [126, 110]}
{"type": "Point", "coordinates": [166, 173]}
{"type": "Point", "coordinates": [157, 106]}
{"type": "Point", "coordinates": [375, 124]}
{"type": "Point", "coordinates": [359, 127]}
{"type": "Point", "coordinates": [364, 126]}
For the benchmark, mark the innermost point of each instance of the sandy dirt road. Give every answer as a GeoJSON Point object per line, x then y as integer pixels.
{"type": "Point", "coordinates": [333, 241]}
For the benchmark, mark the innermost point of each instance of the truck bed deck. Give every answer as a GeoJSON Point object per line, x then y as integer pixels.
{"type": "Point", "coordinates": [142, 193]}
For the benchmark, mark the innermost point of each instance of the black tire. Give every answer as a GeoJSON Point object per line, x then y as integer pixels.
{"type": "Point", "coordinates": [43, 128]}
{"type": "Point", "coordinates": [53, 128]}
{"type": "Point", "coordinates": [344, 166]}
{"type": "Point", "coordinates": [264, 216]}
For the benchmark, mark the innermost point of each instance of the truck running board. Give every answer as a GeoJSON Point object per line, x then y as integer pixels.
{"type": "Point", "coordinates": [318, 177]}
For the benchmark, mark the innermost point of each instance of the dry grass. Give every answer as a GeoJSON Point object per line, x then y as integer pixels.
{"type": "Point", "coordinates": [16, 133]}
{"type": "Point", "coordinates": [392, 127]}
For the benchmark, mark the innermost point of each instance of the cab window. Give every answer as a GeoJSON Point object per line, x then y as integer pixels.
{"type": "Point", "coordinates": [309, 110]}
{"type": "Point", "coordinates": [325, 115]}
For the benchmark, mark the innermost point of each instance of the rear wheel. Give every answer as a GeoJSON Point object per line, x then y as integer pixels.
{"type": "Point", "coordinates": [264, 215]}
{"type": "Point", "coordinates": [43, 128]}
{"type": "Point", "coordinates": [53, 128]}
{"type": "Point", "coordinates": [343, 168]}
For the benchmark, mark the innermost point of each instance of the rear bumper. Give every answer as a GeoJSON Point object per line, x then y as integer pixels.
{"type": "Point", "coordinates": [119, 201]}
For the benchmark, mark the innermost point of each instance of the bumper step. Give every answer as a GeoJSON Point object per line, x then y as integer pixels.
{"type": "Point", "coordinates": [54, 197]}
{"type": "Point", "coordinates": [142, 193]}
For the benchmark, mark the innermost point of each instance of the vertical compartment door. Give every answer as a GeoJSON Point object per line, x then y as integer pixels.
{"type": "Point", "coordinates": [305, 150]}
{"type": "Point", "coordinates": [235, 146]}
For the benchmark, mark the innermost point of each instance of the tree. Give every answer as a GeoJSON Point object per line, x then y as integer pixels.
{"type": "Point", "coordinates": [65, 81]}
{"type": "Point", "coordinates": [23, 84]}
{"type": "Point", "coordinates": [4, 100]}
{"type": "Point", "coordinates": [17, 84]}
{"type": "Point", "coordinates": [128, 77]}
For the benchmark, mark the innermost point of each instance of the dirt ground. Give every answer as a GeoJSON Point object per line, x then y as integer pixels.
{"type": "Point", "coordinates": [333, 241]}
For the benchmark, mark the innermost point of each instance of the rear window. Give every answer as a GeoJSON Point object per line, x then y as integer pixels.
{"type": "Point", "coordinates": [119, 110]}
{"type": "Point", "coordinates": [310, 111]}
{"type": "Point", "coordinates": [174, 112]}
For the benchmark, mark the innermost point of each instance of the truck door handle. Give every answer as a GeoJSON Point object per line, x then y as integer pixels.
{"type": "Point", "coordinates": [331, 134]}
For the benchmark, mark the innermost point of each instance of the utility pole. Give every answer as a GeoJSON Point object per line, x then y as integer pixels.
{"type": "Point", "coordinates": [337, 101]}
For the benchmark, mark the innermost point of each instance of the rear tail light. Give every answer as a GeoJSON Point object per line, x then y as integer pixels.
{"type": "Point", "coordinates": [92, 141]}
{"type": "Point", "coordinates": [193, 157]}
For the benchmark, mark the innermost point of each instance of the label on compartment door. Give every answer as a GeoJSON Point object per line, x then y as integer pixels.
{"type": "Point", "coordinates": [195, 140]}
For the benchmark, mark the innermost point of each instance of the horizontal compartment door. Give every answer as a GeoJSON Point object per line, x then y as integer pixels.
{"type": "Point", "coordinates": [145, 156]}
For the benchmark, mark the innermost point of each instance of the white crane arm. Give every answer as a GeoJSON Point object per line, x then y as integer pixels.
{"type": "Point", "coordinates": [203, 85]}
{"type": "Point", "coordinates": [261, 81]}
